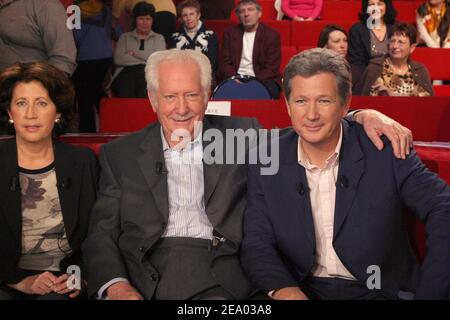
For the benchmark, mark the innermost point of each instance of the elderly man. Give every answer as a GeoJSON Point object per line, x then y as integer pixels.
{"type": "Point", "coordinates": [164, 227]}
{"type": "Point", "coordinates": [337, 230]}
{"type": "Point", "coordinates": [251, 49]}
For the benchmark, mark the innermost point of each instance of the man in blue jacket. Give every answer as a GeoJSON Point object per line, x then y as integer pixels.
{"type": "Point", "coordinates": [330, 224]}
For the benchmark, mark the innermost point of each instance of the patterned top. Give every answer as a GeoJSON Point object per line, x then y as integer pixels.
{"type": "Point", "coordinates": [401, 85]}
{"type": "Point", "coordinates": [44, 239]}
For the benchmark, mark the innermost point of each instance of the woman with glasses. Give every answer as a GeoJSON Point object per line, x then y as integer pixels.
{"type": "Point", "coordinates": [47, 188]}
{"type": "Point", "coordinates": [396, 74]}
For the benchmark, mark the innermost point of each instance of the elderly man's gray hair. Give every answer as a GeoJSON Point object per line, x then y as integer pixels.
{"type": "Point", "coordinates": [319, 60]}
{"type": "Point", "coordinates": [177, 56]}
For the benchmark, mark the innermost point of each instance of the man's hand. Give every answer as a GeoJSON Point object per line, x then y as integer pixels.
{"type": "Point", "coordinates": [38, 284]}
{"type": "Point", "coordinates": [289, 293]}
{"type": "Point", "coordinates": [377, 124]}
{"type": "Point", "coordinates": [123, 291]}
{"type": "Point", "coordinates": [60, 286]}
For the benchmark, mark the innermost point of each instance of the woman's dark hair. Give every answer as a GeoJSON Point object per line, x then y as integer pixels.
{"type": "Point", "coordinates": [389, 16]}
{"type": "Point", "coordinates": [406, 29]}
{"type": "Point", "coordinates": [444, 25]}
{"type": "Point", "coordinates": [142, 9]}
{"type": "Point", "coordinates": [325, 33]}
{"type": "Point", "coordinates": [55, 81]}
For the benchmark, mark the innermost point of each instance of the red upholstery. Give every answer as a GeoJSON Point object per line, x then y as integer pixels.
{"type": "Point", "coordinates": [125, 115]}
{"type": "Point", "coordinates": [89, 140]}
{"type": "Point", "coordinates": [341, 10]}
{"type": "Point", "coordinates": [306, 33]}
{"type": "Point", "coordinates": [442, 91]}
{"type": "Point", "coordinates": [436, 60]}
{"type": "Point", "coordinates": [286, 54]}
{"type": "Point", "coordinates": [406, 11]}
{"type": "Point", "coordinates": [218, 26]}
{"type": "Point", "coordinates": [284, 29]}
{"type": "Point", "coordinates": [428, 117]}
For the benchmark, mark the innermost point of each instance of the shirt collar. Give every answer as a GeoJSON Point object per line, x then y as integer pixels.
{"type": "Point", "coordinates": [190, 146]}
{"type": "Point", "coordinates": [331, 160]}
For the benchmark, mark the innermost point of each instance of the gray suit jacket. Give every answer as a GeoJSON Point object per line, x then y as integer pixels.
{"type": "Point", "coordinates": [132, 211]}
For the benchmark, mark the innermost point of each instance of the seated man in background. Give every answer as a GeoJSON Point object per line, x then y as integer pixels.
{"type": "Point", "coordinates": [251, 49]}
{"type": "Point", "coordinates": [330, 224]}
{"type": "Point", "coordinates": [165, 227]}
{"type": "Point", "coordinates": [396, 74]}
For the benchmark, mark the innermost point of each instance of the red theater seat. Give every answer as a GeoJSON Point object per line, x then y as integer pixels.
{"type": "Point", "coordinates": [406, 11]}
{"type": "Point", "coordinates": [89, 140]}
{"type": "Point", "coordinates": [286, 54]}
{"type": "Point", "coordinates": [218, 26]}
{"type": "Point", "coordinates": [427, 117]}
{"type": "Point", "coordinates": [442, 91]}
{"type": "Point", "coordinates": [341, 10]}
{"type": "Point", "coordinates": [436, 60]}
{"type": "Point", "coordinates": [284, 29]}
{"type": "Point", "coordinates": [306, 33]}
{"type": "Point", "coordinates": [125, 115]}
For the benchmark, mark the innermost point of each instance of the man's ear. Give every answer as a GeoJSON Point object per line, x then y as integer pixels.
{"type": "Point", "coordinates": [152, 99]}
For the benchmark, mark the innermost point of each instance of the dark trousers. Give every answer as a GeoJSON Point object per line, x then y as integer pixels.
{"type": "Point", "coordinates": [184, 268]}
{"type": "Point", "coordinates": [130, 82]}
{"type": "Point", "coordinates": [88, 80]}
{"type": "Point", "coordinates": [274, 88]}
{"type": "Point", "coordinates": [165, 24]}
{"type": "Point", "coordinates": [340, 289]}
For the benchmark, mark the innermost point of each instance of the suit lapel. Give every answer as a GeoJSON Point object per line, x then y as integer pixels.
{"type": "Point", "coordinates": [237, 40]}
{"type": "Point", "coordinates": [10, 197]}
{"type": "Point", "coordinates": [295, 173]}
{"type": "Point", "coordinates": [259, 38]}
{"type": "Point", "coordinates": [211, 172]}
{"type": "Point", "coordinates": [69, 175]}
{"type": "Point", "coordinates": [351, 167]}
{"type": "Point", "coordinates": [151, 157]}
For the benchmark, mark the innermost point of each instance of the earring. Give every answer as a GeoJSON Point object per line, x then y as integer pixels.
{"type": "Point", "coordinates": [11, 121]}
{"type": "Point", "coordinates": [57, 120]}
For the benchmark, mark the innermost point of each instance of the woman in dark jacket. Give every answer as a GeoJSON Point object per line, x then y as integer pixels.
{"type": "Point", "coordinates": [47, 188]}
{"type": "Point", "coordinates": [369, 38]}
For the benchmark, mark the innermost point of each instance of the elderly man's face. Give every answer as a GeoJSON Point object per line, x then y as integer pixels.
{"type": "Point", "coordinates": [180, 100]}
{"type": "Point", "coordinates": [316, 110]}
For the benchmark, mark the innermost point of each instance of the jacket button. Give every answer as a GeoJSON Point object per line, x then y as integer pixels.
{"type": "Point", "coordinates": [154, 277]}
{"type": "Point", "coordinates": [142, 249]}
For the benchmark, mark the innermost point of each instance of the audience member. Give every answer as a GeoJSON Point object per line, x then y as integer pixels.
{"type": "Point", "coordinates": [433, 23]}
{"type": "Point", "coordinates": [335, 38]}
{"type": "Point", "coordinates": [132, 51]}
{"type": "Point", "coordinates": [251, 49]}
{"type": "Point", "coordinates": [396, 74]}
{"type": "Point", "coordinates": [302, 10]}
{"type": "Point", "coordinates": [47, 187]}
{"type": "Point", "coordinates": [35, 30]}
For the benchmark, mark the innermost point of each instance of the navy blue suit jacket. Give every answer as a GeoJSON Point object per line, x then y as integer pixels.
{"type": "Point", "coordinates": [279, 246]}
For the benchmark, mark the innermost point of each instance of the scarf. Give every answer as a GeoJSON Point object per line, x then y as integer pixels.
{"type": "Point", "coordinates": [433, 22]}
